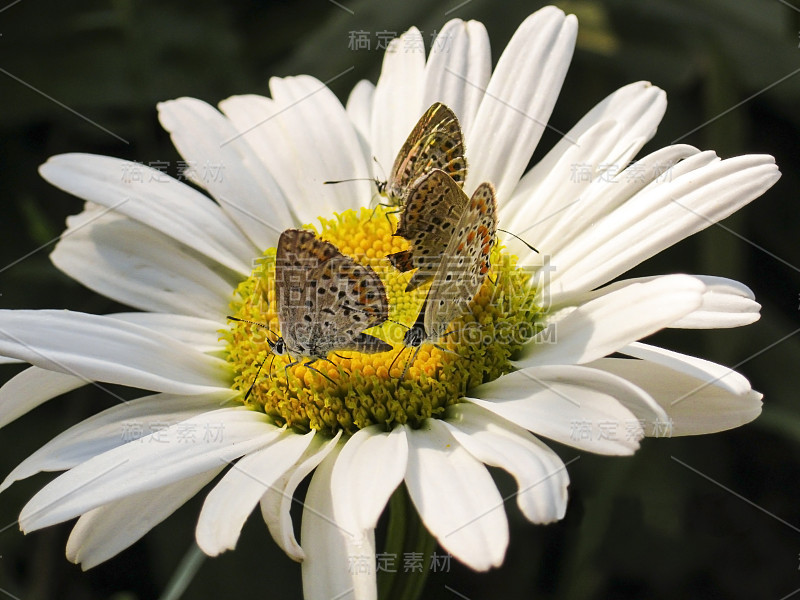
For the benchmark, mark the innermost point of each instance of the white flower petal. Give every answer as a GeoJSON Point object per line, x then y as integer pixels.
{"type": "Point", "coordinates": [541, 475]}
{"type": "Point", "coordinates": [634, 111]}
{"type": "Point", "coordinates": [220, 436]}
{"type": "Point", "coordinates": [458, 69]}
{"type": "Point", "coordinates": [32, 387]}
{"type": "Point", "coordinates": [303, 138]}
{"type": "Point", "coordinates": [695, 404]}
{"type": "Point", "coordinates": [135, 265]}
{"type": "Point", "coordinates": [706, 371]}
{"type": "Point", "coordinates": [695, 162]}
{"type": "Point", "coordinates": [114, 427]}
{"type": "Point", "coordinates": [456, 497]}
{"type": "Point", "coordinates": [369, 468]}
{"type": "Point", "coordinates": [255, 118]}
{"type": "Point", "coordinates": [605, 324]}
{"type": "Point", "coordinates": [228, 505]}
{"type": "Point", "coordinates": [225, 165]}
{"type": "Point", "coordinates": [100, 348]}
{"type": "Point", "coordinates": [726, 303]}
{"type": "Point", "coordinates": [565, 187]}
{"type": "Point", "coordinates": [554, 193]}
{"type": "Point", "coordinates": [106, 531]}
{"type": "Point", "coordinates": [359, 109]}
{"type": "Point", "coordinates": [605, 195]}
{"type": "Point", "coordinates": [555, 227]}
{"type": "Point", "coordinates": [338, 563]}
{"type": "Point", "coordinates": [155, 199]}
{"type": "Point", "coordinates": [574, 405]}
{"type": "Point", "coordinates": [277, 501]}
{"type": "Point", "coordinates": [397, 102]}
{"type": "Point", "coordinates": [308, 110]}
{"type": "Point", "coordinates": [201, 334]}
{"type": "Point", "coordinates": [519, 99]}
{"type": "Point", "coordinates": [659, 217]}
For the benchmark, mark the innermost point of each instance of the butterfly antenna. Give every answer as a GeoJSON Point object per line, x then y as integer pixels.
{"type": "Point", "coordinates": [254, 323]}
{"type": "Point", "coordinates": [520, 239]}
{"type": "Point", "coordinates": [398, 323]}
{"type": "Point", "coordinates": [380, 166]}
{"type": "Point", "coordinates": [332, 182]}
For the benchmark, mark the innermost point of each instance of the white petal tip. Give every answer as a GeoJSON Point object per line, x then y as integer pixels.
{"type": "Point", "coordinates": [212, 549]}
{"type": "Point", "coordinates": [296, 554]}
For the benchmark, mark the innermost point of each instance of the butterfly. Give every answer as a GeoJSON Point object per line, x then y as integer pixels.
{"type": "Point", "coordinates": [325, 301]}
{"type": "Point", "coordinates": [436, 142]}
{"type": "Point", "coordinates": [451, 238]}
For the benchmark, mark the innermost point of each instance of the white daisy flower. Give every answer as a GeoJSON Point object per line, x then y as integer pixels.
{"type": "Point", "coordinates": [186, 260]}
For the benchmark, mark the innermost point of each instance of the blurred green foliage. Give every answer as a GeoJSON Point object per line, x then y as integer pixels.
{"type": "Point", "coordinates": [643, 527]}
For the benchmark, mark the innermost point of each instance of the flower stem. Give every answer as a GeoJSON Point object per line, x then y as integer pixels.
{"type": "Point", "coordinates": [183, 575]}
{"type": "Point", "coordinates": [407, 539]}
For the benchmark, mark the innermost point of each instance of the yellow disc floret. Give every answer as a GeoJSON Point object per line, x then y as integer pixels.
{"type": "Point", "coordinates": [358, 390]}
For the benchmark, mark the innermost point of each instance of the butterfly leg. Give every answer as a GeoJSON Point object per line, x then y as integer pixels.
{"type": "Point", "coordinates": [391, 212]}
{"type": "Point", "coordinates": [374, 210]}
{"type": "Point", "coordinates": [287, 367]}
{"type": "Point", "coordinates": [339, 366]}
{"type": "Point", "coordinates": [375, 203]}
{"type": "Point", "coordinates": [308, 364]}
{"type": "Point", "coordinates": [394, 360]}
{"type": "Point", "coordinates": [443, 349]}
{"type": "Point", "coordinates": [410, 363]}
{"type": "Point", "coordinates": [255, 379]}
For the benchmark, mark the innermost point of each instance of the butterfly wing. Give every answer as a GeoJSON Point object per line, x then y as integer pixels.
{"type": "Point", "coordinates": [430, 219]}
{"type": "Point", "coordinates": [436, 142]}
{"type": "Point", "coordinates": [349, 299]}
{"type": "Point", "coordinates": [299, 255]}
{"type": "Point", "coordinates": [465, 262]}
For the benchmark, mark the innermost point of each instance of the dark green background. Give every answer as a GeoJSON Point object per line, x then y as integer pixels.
{"type": "Point", "coordinates": [641, 527]}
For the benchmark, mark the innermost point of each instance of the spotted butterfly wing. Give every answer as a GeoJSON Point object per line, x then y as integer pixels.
{"type": "Point", "coordinates": [429, 220]}
{"type": "Point", "coordinates": [464, 263]}
{"type": "Point", "coordinates": [436, 142]}
{"type": "Point", "coordinates": [325, 299]}
{"type": "Point", "coordinates": [353, 299]}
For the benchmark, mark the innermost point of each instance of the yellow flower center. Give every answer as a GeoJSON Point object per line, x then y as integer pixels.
{"type": "Point", "coordinates": [358, 390]}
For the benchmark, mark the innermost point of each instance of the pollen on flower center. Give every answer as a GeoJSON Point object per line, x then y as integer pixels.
{"type": "Point", "coordinates": [361, 389]}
